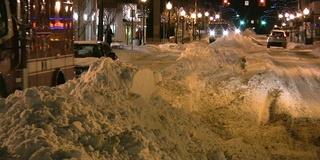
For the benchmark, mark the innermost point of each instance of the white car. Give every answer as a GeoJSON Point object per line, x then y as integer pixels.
{"type": "Point", "coordinates": [277, 38]}
{"type": "Point", "coordinates": [86, 52]}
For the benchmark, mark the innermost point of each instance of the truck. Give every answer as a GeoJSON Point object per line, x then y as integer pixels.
{"type": "Point", "coordinates": [36, 44]}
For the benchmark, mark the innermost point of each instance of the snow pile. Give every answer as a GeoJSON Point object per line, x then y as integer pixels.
{"type": "Point", "coordinates": [259, 39]}
{"type": "Point", "coordinates": [162, 48]}
{"type": "Point", "coordinates": [99, 116]}
{"type": "Point", "coordinates": [236, 41]}
{"type": "Point", "coordinates": [219, 101]}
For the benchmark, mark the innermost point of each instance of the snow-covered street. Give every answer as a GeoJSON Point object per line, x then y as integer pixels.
{"type": "Point", "coordinates": [231, 99]}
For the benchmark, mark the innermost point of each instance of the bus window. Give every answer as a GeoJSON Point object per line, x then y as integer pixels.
{"type": "Point", "coordinates": [3, 19]}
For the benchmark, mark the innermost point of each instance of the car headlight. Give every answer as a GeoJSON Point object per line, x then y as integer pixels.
{"type": "Point", "coordinates": [212, 33]}
{"type": "Point", "coordinates": [237, 30]}
{"type": "Point", "coordinates": [225, 32]}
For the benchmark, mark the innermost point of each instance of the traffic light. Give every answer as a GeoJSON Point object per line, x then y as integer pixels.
{"type": "Point", "coordinates": [225, 2]}
{"type": "Point", "coordinates": [262, 3]}
{"type": "Point", "coordinates": [242, 22]}
{"type": "Point", "coordinates": [263, 22]}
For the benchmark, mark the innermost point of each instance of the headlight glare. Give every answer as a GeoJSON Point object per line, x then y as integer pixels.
{"type": "Point", "coordinates": [237, 30]}
{"type": "Point", "coordinates": [211, 33]}
{"type": "Point", "coordinates": [225, 32]}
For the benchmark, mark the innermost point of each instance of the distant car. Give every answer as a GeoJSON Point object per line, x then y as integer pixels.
{"type": "Point", "coordinates": [86, 52]}
{"type": "Point", "coordinates": [217, 30]}
{"type": "Point", "coordinates": [277, 38]}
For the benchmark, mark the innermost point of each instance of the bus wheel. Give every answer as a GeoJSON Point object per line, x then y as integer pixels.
{"type": "Point", "coordinates": [59, 77]}
{"type": "Point", "coordinates": [3, 87]}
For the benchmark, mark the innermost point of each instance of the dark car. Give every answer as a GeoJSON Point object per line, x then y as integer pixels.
{"type": "Point", "coordinates": [86, 52]}
{"type": "Point", "coordinates": [277, 38]}
{"type": "Point", "coordinates": [218, 30]}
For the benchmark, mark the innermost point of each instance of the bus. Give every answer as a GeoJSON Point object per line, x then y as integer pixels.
{"type": "Point", "coordinates": [36, 44]}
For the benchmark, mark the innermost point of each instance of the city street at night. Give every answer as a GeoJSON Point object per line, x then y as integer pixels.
{"type": "Point", "coordinates": [230, 99]}
{"type": "Point", "coordinates": [159, 80]}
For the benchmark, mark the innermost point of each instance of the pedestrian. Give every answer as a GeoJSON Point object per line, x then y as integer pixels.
{"type": "Point", "coordinates": [109, 35]}
{"type": "Point", "coordinates": [139, 35]}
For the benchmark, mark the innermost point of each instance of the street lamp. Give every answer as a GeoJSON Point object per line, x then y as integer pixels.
{"type": "Point", "coordinates": [182, 14]}
{"type": "Point", "coordinates": [286, 19]}
{"type": "Point", "coordinates": [306, 11]}
{"type": "Point", "coordinates": [280, 16]}
{"type": "Point", "coordinates": [291, 18]}
{"type": "Point", "coordinates": [307, 27]}
{"type": "Point", "coordinates": [143, 20]}
{"type": "Point", "coordinates": [169, 7]}
{"type": "Point", "coordinates": [193, 16]}
{"type": "Point", "coordinates": [177, 25]}
{"type": "Point", "coordinates": [206, 14]}
{"type": "Point", "coordinates": [286, 15]}
{"type": "Point", "coordinates": [199, 16]}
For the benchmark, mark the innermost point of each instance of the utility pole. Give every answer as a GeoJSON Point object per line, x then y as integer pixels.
{"type": "Point", "coordinates": [100, 25]}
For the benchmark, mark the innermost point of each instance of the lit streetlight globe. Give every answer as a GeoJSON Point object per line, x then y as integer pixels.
{"type": "Point", "coordinates": [292, 16]}
{"type": "Point", "coordinates": [286, 15]}
{"type": "Point", "coordinates": [280, 16]}
{"type": "Point", "coordinates": [306, 11]}
{"type": "Point", "coordinates": [206, 14]}
{"type": "Point", "coordinates": [193, 15]}
{"type": "Point", "coordinates": [183, 13]}
{"type": "Point", "coordinates": [169, 5]}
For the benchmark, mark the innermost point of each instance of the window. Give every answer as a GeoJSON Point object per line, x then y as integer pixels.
{"type": "Point", "coordinates": [278, 34]}
{"type": "Point", "coordinates": [87, 50]}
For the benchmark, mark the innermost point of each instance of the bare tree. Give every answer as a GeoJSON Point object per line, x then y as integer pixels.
{"type": "Point", "coordinates": [82, 8]}
{"type": "Point", "coordinates": [110, 14]}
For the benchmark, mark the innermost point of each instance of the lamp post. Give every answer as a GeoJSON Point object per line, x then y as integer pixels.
{"type": "Point", "coordinates": [280, 16]}
{"type": "Point", "coordinates": [206, 14]}
{"type": "Point", "coordinates": [307, 27]}
{"type": "Point", "coordinates": [182, 14]}
{"type": "Point", "coordinates": [299, 15]}
{"type": "Point", "coordinates": [286, 15]}
{"type": "Point", "coordinates": [291, 17]}
{"type": "Point", "coordinates": [199, 16]}
{"type": "Point", "coordinates": [169, 7]}
{"type": "Point", "coordinates": [143, 20]}
{"type": "Point", "coordinates": [75, 18]}
{"type": "Point", "coordinates": [193, 16]}
{"type": "Point", "coordinates": [177, 25]}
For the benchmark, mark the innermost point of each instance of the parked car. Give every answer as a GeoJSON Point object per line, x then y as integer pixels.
{"type": "Point", "coordinates": [86, 52]}
{"type": "Point", "coordinates": [277, 38]}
